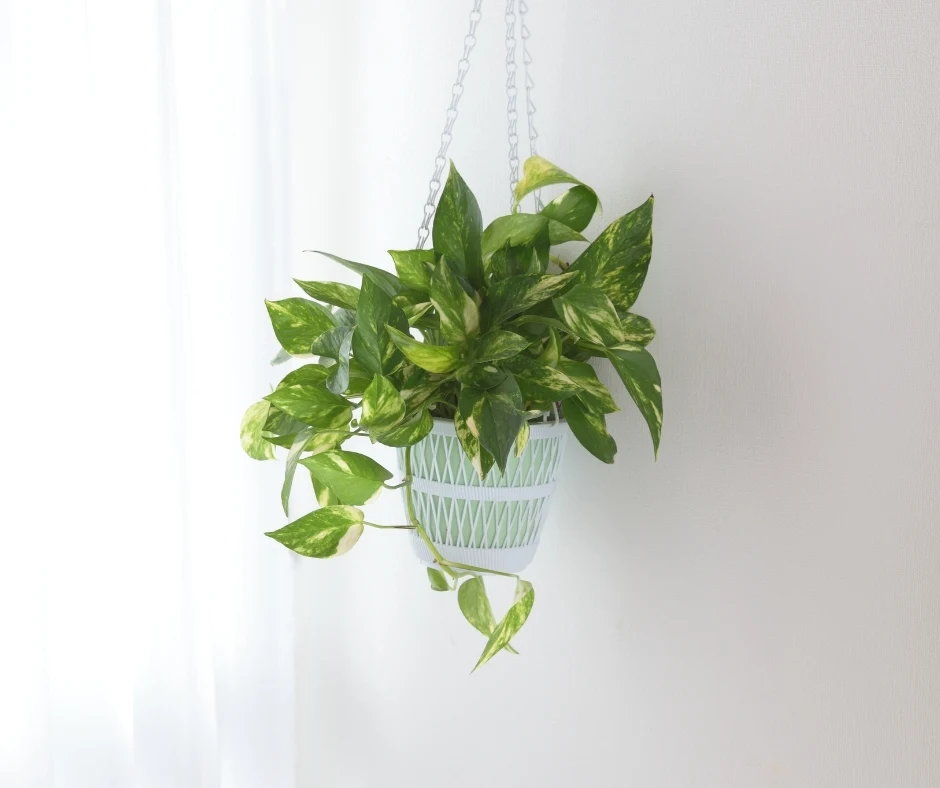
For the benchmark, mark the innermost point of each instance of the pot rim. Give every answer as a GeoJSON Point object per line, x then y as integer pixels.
{"type": "Point", "coordinates": [538, 430]}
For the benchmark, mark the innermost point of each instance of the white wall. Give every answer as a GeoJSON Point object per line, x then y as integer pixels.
{"type": "Point", "coordinates": [761, 607]}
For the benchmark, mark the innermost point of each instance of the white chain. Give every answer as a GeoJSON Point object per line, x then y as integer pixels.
{"type": "Point", "coordinates": [529, 87]}
{"type": "Point", "coordinates": [463, 65]}
{"type": "Point", "coordinates": [511, 114]}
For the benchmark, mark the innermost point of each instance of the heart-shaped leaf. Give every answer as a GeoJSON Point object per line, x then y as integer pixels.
{"type": "Point", "coordinates": [480, 458]}
{"type": "Point", "coordinates": [382, 405]}
{"type": "Point", "coordinates": [308, 375]}
{"type": "Point", "coordinates": [574, 208]}
{"type": "Point", "coordinates": [312, 405]}
{"type": "Point", "coordinates": [475, 605]}
{"type": "Point", "coordinates": [638, 371]}
{"type": "Point", "coordinates": [438, 580]}
{"type": "Point", "coordinates": [433, 358]}
{"type": "Point", "coordinates": [512, 622]}
{"type": "Point", "coordinates": [616, 262]}
{"type": "Point", "coordinates": [520, 293]}
{"type": "Point", "coordinates": [637, 329]}
{"type": "Point", "coordinates": [325, 496]}
{"type": "Point", "coordinates": [496, 345]}
{"type": "Point", "coordinates": [539, 382]}
{"type": "Point", "coordinates": [355, 478]}
{"type": "Point", "coordinates": [590, 314]}
{"type": "Point", "coordinates": [522, 229]}
{"type": "Point", "coordinates": [480, 376]}
{"type": "Point", "coordinates": [458, 227]}
{"type": "Point", "coordinates": [297, 322]}
{"type": "Point", "coordinates": [590, 429]}
{"type": "Point", "coordinates": [414, 268]}
{"type": "Point", "coordinates": [413, 429]}
{"type": "Point", "coordinates": [458, 312]}
{"type": "Point", "coordinates": [334, 293]}
{"type": "Point", "coordinates": [253, 443]}
{"type": "Point", "coordinates": [593, 394]}
{"type": "Point", "coordinates": [537, 173]}
{"type": "Point", "coordinates": [325, 533]}
{"type": "Point", "coordinates": [369, 338]}
{"type": "Point", "coordinates": [494, 417]}
{"type": "Point", "coordinates": [385, 281]}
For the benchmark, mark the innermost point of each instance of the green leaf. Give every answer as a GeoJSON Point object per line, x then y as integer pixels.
{"type": "Point", "coordinates": [594, 394]}
{"type": "Point", "coordinates": [433, 358]}
{"type": "Point", "coordinates": [293, 455]}
{"type": "Point", "coordinates": [384, 280]}
{"type": "Point", "coordinates": [438, 580]}
{"type": "Point", "coordinates": [637, 328]}
{"type": "Point", "coordinates": [494, 416]}
{"type": "Point", "coordinates": [382, 405]}
{"type": "Point", "coordinates": [345, 317]}
{"type": "Point", "coordinates": [280, 423]}
{"type": "Point", "coordinates": [334, 293]}
{"type": "Point", "coordinates": [312, 405]}
{"type": "Point", "coordinates": [355, 478]}
{"type": "Point", "coordinates": [590, 314]}
{"type": "Point", "coordinates": [325, 496]}
{"type": "Point", "coordinates": [512, 622]}
{"type": "Point", "coordinates": [637, 370]}
{"type": "Point", "coordinates": [308, 375]}
{"type": "Point", "coordinates": [413, 429]}
{"type": "Point", "coordinates": [522, 229]}
{"type": "Point", "coordinates": [359, 376]}
{"type": "Point", "coordinates": [475, 605]}
{"type": "Point", "coordinates": [480, 458]}
{"type": "Point", "coordinates": [319, 442]}
{"type": "Point", "coordinates": [281, 357]}
{"type": "Point", "coordinates": [420, 388]}
{"type": "Point", "coordinates": [574, 208]}
{"type": "Point", "coordinates": [539, 382]}
{"type": "Point", "coordinates": [369, 338]}
{"type": "Point", "coordinates": [458, 227]}
{"type": "Point", "coordinates": [495, 345]}
{"type": "Point", "coordinates": [537, 173]}
{"type": "Point", "coordinates": [541, 320]}
{"type": "Point", "coordinates": [523, 439]}
{"type": "Point", "coordinates": [254, 445]}
{"type": "Point", "coordinates": [414, 268]}
{"type": "Point", "coordinates": [590, 429]}
{"type": "Point", "coordinates": [480, 376]}
{"type": "Point", "coordinates": [552, 350]}
{"type": "Point", "coordinates": [459, 314]}
{"type": "Point", "coordinates": [297, 322]}
{"type": "Point", "coordinates": [517, 294]}
{"type": "Point", "coordinates": [325, 533]}
{"type": "Point", "coordinates": [618, 259]}
{"type": "Point", "coordinates": [336, 344]}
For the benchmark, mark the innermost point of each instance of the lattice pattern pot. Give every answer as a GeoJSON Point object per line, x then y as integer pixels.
{"type": "Point", "coordinates": [493, 524]}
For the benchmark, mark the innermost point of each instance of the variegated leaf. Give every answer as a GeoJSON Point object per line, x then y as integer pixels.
{"type": "Point", "coordinates": [539, 382]}
{"type": "Point", "coordinates": [590, 314]}
{"type": "Point", "coordinates": [512, 622]}
{"type": "Point", "coordinates": [312, 405]}
{"type": "Point", "coordinates": [522, 229]}
{"type": "Point", "coordinates": [355, 478]}
{"type": "Point", "coordinates": [253, 443]}
{"type": "Point", "coordinates": [458, 312]}
{"type": "Point", "coordinates": [496, 345]}
{"type": "Point", "coordinates": [382, 405]}
{"type": "Point", "coordinates": [433, 358]}
{"type": "Point", "coordinates": [318, 442]}
{"type": "Point", "coordinates": [420, 388]}
{"type": "Point", "coordinates": [387, 282]}
{"type": "Point", "coordinates": [616, 262]}
{"type": "Point", "coordinates": [537, 173]}
{"type": "Point", "coordinates": [475, 605]}
{"type": "Point", "coordinates": [508, 261]}
{"type": "Point", "coordinates": [518, 294]}
{"type": "Point", "coordinates": [637, 328]}
{"type": "Point", "coordinates": [541, 320]}
{"type": "Point", "coordinates": [523, 440]}
{"type": "Point", "coordinates": [480, 458]}
{"type": "Point", "coordinates": [414, 268]}
{"type": "Point", "coordinates": [413, 429]}
{"type": "Point", "coordinates": [438, 580]}
{"type": "Point", "coordinates": [324, 533]}
{"type": "Point", "coordinates": [281, 357]}
{"type": "Point", "coordinates": [297, 322]}
{"type": "Point", "coordinates": [334, 293]}
{"type": "Point", "coordinates": [293, 455]}
{"type": "Point", "coordinates": [480, 376]}
{"type": "Point", "coordinates": [336, 344]}
{"type": "Point", "coordinates": [369, 338]}
{"type": "Point", "coordinates": [552, 350]}
{"type": "Point", "coordinates": [325, 496]}
{"type": "Point", "coordinates": [494, 416]}
{"type": "Point", "coordinates": [593, 394]}
{"type": "Point", "coordinates": [590, 429]}
{"type": "Point", "coordinates": [574, 208]}
{"type": "Point", "coordinates": [638, 371]}
{"type": "Point", "coordinates": [458, 227]}
{"type": "Point", "coordinates": [308, 375]}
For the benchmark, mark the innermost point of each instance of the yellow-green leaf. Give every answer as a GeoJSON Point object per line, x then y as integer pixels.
{"type": "Point", "coordinates": [475, 605]}
{"type": "Point", "coordinates": [324, 533]}
{"type": "Point", "coordinates": [312, 405]}
{"type": "Point", "coordinates": [640, 376]}
{"type": "Point", "coordinates": [253, 443]}
{"type": "Point", "coordinates": [438, 580]}
{"type": "Point", "coordinates": [334, 293]}
{"type": "Point", "coordinates": [593, 394]}
{"type": "Point", "coordinates": [479, 457]}
{"type": "Point", "coordinates": [433, 358]}
{"type": "Point", "coordinates": [637, 328]}
{"type": "Point", "coordinates": [590, 429]}
{"type": "Point", "coordinates": [355, 478]}
{"type": "Point", "coordinates": [458, 312]}
{"type": "Point", "coordinates": [414, 268]}
{"type": "Point", "coordinates": [537, 173]}
{"type": "Point", "coordinates": [512, 622]}
{"type": "Point", "coordinates": [297, 322]}
{"type": "Point", "coordinates": [413, 429]}
{"type": "Point", "coordinates": [382, 405]}
{"type": "Point", "coordinates": [519, 293]}
{"type": "Point", "coordinates": [293, 455]}
{"type": "Point", "coordinates": [590, 314]}
{"type": "Point", "coordinates": [387, 282]}
{"type": "Point", "coordinates": [496, 345]}
{"type": "Point", "coordinates": [574, 208]}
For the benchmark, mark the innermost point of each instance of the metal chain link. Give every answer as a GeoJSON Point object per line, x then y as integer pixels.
{"type": "Point", "coordinates": [463, 65]}
{"type": "Point", "coordinates": [511, 114]}
{"type": "Point", "coordinates": [529, 87]}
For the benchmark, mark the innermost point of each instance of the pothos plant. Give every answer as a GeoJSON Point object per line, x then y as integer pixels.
{"type": "Point", "coordinates": [505, 330]}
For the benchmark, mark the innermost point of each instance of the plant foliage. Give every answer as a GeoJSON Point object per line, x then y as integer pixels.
{"type": "Point", "coordinates": [490, 330]}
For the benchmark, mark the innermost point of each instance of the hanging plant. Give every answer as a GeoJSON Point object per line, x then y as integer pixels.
{"type": "Point", "coordinates": [478, 343]}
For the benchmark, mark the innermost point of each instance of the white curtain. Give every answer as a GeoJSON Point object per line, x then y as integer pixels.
{"type": "Point", "coordinates": [147, 624]}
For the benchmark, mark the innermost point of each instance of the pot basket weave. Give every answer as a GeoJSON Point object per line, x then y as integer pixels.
{"type": "Point", "coordinates": [493, 524]}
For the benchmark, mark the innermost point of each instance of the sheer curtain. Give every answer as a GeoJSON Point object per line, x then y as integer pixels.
{"type": "Point", "coordinates": [147, 623]}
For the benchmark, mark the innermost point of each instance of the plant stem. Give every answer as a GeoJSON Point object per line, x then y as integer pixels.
{"type": "Point", "coordinates": [403, 483]}
{"type": "Point", "coordinates": [399, 527]}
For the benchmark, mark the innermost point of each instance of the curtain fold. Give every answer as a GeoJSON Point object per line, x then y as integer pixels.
{"type": "Point", "coordinates": [148, 621]}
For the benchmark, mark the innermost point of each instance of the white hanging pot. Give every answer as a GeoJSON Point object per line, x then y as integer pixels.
{"type": "Point", "coordinates": [495, 523]}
